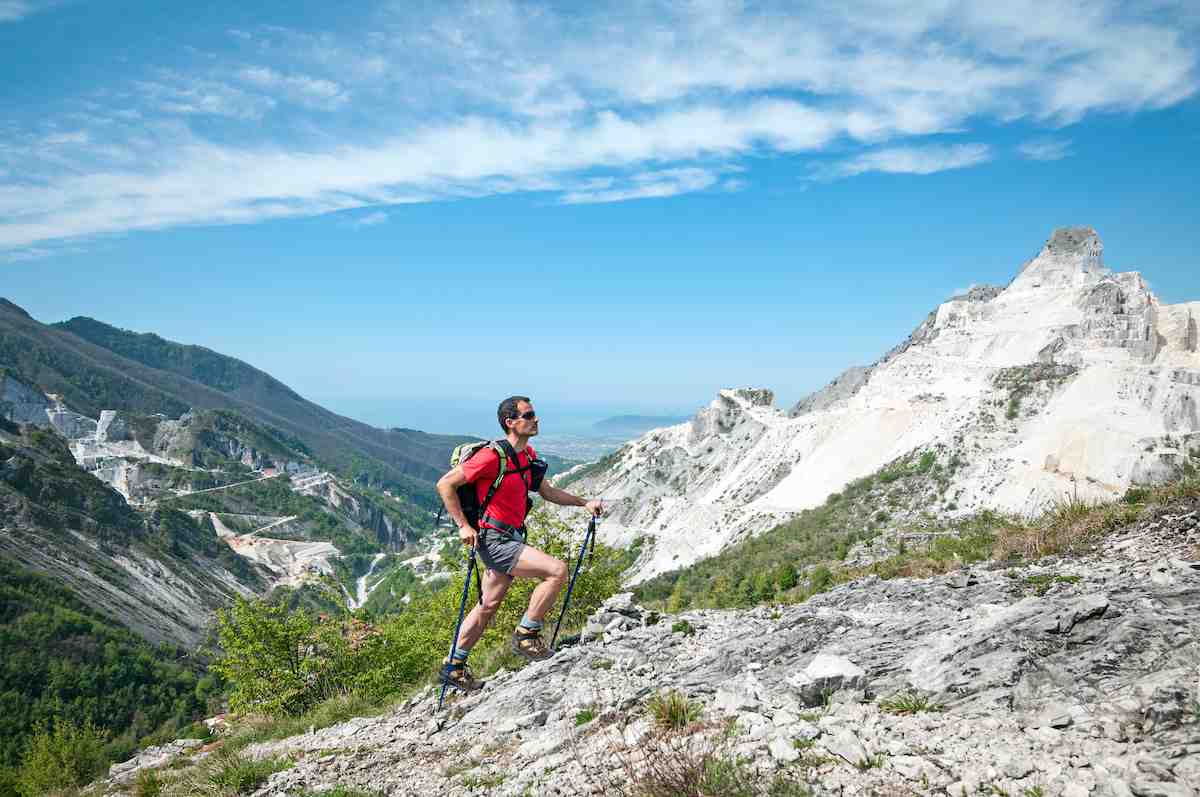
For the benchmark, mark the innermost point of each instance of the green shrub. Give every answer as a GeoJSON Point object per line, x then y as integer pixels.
{"type": "Point", "coordinates": [147, 784]}
{"type": "Point", "coordinates": [819, 580]}
{"type": "Point", "coordinates": [584, 716]}
{"type": "Point", "coordinates": [59, 757]}
{"type": "Point", "coordinates": [1042, 583]}
{"type": "Point", "coordinates": [682, 627]}
{"type": "Point", "coordinates": [1136, 495]}
{"type": "Point", "coordinates": [672, 710]}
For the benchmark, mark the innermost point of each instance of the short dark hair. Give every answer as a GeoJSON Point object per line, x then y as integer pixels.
{"type": "Point", "coordinates": [508, 409]}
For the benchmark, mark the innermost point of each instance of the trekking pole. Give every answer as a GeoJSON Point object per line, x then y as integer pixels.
{"type": "Point", "coordinates": [590, 535]}
{"type": "Point", "coordinates": [462, 608]}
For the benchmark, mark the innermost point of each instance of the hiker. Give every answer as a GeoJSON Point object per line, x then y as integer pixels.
{"type": "Point", "coordinates": [500, 537]}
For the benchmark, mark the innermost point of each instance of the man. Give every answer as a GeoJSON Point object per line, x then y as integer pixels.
{"type": "Point", "coordinates": [500, 539]}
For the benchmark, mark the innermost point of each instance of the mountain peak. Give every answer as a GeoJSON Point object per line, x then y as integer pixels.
{"type": "Point", "coordinates": [753, 396]}
{"type": "Point", "coordinates": [1070, 256]}
{"type": "Point", "coordinates": [9, 307]}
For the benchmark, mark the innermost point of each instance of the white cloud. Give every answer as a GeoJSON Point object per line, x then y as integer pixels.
{"type": "Point", "coordinates": [12, 10]}
{"type": "Point", "coordinates": [370, 220]}
{"type": "Point", "coordinates": [179, 94]}
{"type": "Point", "coordinates": [62, 139]}
{"type": "Point", "coordinates": [635, 99]}
{"type": "Point", "coordinates": [15, 10]}
{"type": "Point", "coordinates": [1045, 149]}
{"type": "Point", "coordinates": [909, 160]}
{"type": "Point", "coordinates": [646, 185]}
{"type": "Point", "coordinates": [308, 91]}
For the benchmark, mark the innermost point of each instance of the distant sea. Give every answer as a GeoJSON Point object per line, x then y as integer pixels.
{"type": "Point", "coordinates": [567, 430]}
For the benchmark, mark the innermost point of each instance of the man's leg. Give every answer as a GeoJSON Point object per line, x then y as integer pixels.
{"type": "Point", "coordinates": [553, 572]}
{"type": "Point", "coordinates": [454, 671]}
{"type": "Point", "coordinates": [495, 587]}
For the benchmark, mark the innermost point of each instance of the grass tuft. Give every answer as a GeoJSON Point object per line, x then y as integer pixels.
{"type": "Point", "coordinates": [677, 766]}
{"type": "Point", "coordinates": [672, 710]}
{"type": "Point", "coordinates": [908, 702]}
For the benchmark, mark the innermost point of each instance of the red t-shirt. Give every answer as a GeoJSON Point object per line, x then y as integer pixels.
{"type": "Point", "coordinates": [508, 504]}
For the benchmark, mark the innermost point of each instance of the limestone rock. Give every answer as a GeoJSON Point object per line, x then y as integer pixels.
{"type": "Point", "coordinates": [1073, 379]}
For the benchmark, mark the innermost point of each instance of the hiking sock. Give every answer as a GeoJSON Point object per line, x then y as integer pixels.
{"type": "Point", "coordinates": [459, 655]}
{"type": "Point", "coordinates": [530, 626]}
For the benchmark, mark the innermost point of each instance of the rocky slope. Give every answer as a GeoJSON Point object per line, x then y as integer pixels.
{"type": "Point", "coordinates": [159, 574]}
{"type": "Point", "coordinates": [1070, 676]}
{"type": "Point", "coordinates": [214, 462]}
{"type": "Point", "coordinates": [1071, 380]}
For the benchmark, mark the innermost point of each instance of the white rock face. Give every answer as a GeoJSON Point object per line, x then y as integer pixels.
{"type": "Point", "coordinates": [1101, 380]}
{"type": "Point", "coordinates": [22, 403]}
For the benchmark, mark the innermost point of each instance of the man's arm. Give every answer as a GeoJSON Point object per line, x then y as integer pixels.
{"type": "Point", "coordinates": [447, 488]}
{"type": "Point", "coordinates": [563, 498]}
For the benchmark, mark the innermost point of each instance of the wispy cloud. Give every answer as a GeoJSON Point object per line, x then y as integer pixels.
{"type": "Point", "coordinates": [646, 185]}
{"type": "Point", "coordinates": [171, 92]}
{"type": "Point", "coordinates": [632, 100]}
{"type": "Point", "coordinates": [909, 160]}
{"type": "Point", "coordinates": [309, 91]}
{"type": "Point", "coordinates": [15, 10]}
{"type": "Point", "coordinates": [370, 220]}
{"type": "Point", "coordinates": [1045, 149]}
{"type": "Point", "coordinates": [12, 10]}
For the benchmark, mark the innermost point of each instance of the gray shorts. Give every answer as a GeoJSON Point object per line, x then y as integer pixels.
{"type": "Point", "coordinates": [499, 551]}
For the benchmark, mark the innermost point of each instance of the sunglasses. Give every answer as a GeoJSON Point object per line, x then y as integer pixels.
{"type": "Point", "coordinates": [528, 415]}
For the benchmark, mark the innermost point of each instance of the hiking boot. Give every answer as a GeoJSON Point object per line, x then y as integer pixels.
{"type": "Point", "coordinates": [459, 676]}
{"type": "Point", "coordinates": [529, 645]}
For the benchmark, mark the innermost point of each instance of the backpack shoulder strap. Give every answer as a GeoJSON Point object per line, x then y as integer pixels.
{"type": "Point", "coordinates": [500, 473]}
{"type": "Point", "coordinates": [512, 454]}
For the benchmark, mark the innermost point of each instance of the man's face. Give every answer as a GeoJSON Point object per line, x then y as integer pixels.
{"type": "Point", "coordinates": [522, 425]}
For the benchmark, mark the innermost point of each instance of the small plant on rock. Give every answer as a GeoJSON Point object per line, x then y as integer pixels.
{"type": "Point", "coordinates": [907, 703]}
{"type": "Point", "coordinates": [682, 627]}
{"type": "Point", "coordinates": [870, 762]}
{"type": "Point", "coordinates": [672, 710]}
{"type": "Point", "coordinates": [483, 780]}
{"type": "Point", "coordinates": [1042, 583]}
{"type": "Point", "coordinates": [584, 716]}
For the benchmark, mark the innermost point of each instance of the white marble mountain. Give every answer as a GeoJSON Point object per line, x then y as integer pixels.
{"type": "Point", "coordinates": [1072, 379]}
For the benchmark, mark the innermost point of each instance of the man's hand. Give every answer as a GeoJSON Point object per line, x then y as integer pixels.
{"type": "Point", "coordinates": [595, 507]}
{"type": "Point", "coordinates": [467, 535]}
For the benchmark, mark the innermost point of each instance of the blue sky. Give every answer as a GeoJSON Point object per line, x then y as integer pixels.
{"type": "Point", "coordinates": [621, 208]}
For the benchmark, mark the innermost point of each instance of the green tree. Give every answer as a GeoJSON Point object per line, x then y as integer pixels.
{"type": "Point", "coordinates": [785, 576]}
{"type": "Point", "coordinates": [59, 757]}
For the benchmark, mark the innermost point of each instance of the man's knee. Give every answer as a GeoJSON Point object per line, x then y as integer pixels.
{"type": "Point", "coordinates": [559, 571]}
{"type": "Point", "coordinates": [489, 606]}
